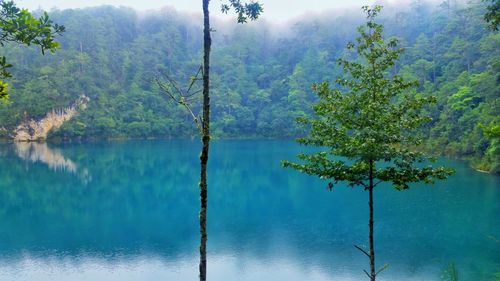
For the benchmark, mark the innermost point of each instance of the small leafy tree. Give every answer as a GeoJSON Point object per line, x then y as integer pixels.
{"type": "Point", "coordinates": [20, 26]}
{"type": "Point", "coordinates": [366, 129]}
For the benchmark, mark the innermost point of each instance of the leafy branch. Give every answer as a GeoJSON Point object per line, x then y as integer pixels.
{"type": "Point", "coordinates": [244, 11]}
{"type": "Point", "coordinates": [20, 26]}
{"type": "Point", "coordinates": [180, 95]}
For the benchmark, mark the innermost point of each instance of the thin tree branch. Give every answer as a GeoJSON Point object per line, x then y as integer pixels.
{"type": "Point", "coordinates": [362, 250]}
{"type": "Point", "coordinates": [363, 184]}
{"type": "Point", "coordinates": [195, 118]}
{"type": "Point", "coordinates": [382, 269]}
{"type": "Point", "coordinates": [166, 90]}
{"type": "Point", "coordinates": [195, 78]}
{"type": "Point", "coordinates": [174, 91]}
{"type": "Point", "coordinates": [193, 94]}
{"type": "Point", "coordinates": [367, 274]}
{"type": "Point", "coordinates": [174, 84]}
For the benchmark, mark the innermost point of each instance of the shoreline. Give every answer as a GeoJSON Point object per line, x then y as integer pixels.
{"type": "Point", "coordinates": [56, 141]}
{"type": "Point", "coordinates": [482, 171]}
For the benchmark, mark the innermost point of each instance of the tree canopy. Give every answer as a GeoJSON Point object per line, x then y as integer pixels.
{"type": "Point", "coordinates": [20, 26]}
{"type": "Point", "coordinates": [370, 121]}
{"type": "Point", "coordinates": [492, 15]}
{"type": "Point", "coordinates": [244, 11]}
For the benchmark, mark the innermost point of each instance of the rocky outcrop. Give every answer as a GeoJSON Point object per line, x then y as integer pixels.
{"type": "Point", "coordinates": [33, 130]}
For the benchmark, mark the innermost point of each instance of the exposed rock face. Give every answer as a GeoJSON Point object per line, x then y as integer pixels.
{"type": "Point", "coordinates": [33, 130]}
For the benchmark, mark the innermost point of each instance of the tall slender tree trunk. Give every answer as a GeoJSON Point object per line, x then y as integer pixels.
{"type": "Point", "coordinates": [434, 59]}
{"type": "Point", "coordinates": [205, 137]}
{"type": "Point", "coordinates": [370, 226]}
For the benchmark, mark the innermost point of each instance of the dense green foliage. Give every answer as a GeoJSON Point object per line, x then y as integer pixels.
{"type": "Point", "coordinates": [492, 16]}
{"type": "Point", "coordinates": [367, 125]}
{"type": "Point", "coordinates": [261, 82]}
{"type": "Point", "coordinates": [244, 11]}
{"type": "Point", "coordinates": [21, 27]}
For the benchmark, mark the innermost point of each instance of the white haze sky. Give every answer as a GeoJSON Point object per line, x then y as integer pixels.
{"type": "Point", "coordinates": [274, 10]}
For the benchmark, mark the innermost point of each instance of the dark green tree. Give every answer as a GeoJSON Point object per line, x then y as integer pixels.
{"type": "Point", "coordinates": [492, 15]}
{"type": "Point", "coordinates": [367, 129]}
{"type": "Point", "coordinates": [20, 26]}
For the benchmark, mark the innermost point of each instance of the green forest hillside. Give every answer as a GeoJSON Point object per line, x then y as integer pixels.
{"type": "Point", "coordinates": [262, 74]}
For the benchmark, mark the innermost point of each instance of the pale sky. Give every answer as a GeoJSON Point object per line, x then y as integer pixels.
{"type": "Point", "coordinates": [274, 10]}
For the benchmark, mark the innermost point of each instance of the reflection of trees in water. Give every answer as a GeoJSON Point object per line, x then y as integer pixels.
{"type": "Point", "coordinates": [40, 152]}
{"type": "Point", "coordinates": [143, 201]}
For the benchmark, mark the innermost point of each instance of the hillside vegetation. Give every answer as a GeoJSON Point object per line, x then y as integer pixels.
{"type": "Point", "coordinates": [262, 74]}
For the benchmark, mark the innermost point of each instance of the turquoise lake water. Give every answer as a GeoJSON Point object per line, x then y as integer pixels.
{"type": "Point", "coordinates": [129, 211]}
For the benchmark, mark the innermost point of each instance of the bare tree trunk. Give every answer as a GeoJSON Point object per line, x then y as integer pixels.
{"type": "Point", "coordinates": [434, 59]}
{"type": "Point", "coordinates": [207, 41]}
{"type": "Point", "coordinates": [370, 226]}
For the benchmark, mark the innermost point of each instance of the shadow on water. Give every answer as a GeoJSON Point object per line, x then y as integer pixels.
{"type": "Point", "coordinates": [133, 207]}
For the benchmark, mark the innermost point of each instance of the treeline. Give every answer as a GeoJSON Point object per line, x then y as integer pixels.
{"type": "Point", "coordinates": [262, 74]}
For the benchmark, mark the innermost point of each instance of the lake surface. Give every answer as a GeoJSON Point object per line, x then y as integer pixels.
{"type": "Point", "coordinates": [129, 211]}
